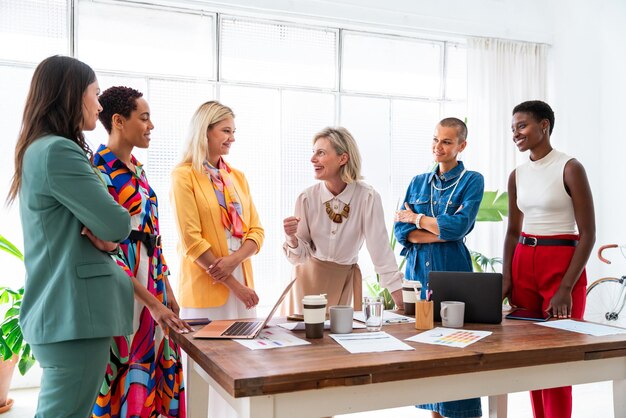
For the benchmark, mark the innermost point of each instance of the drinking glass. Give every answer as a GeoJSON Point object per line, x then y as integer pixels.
{"type": "Point", "coordinates": [373, 308]}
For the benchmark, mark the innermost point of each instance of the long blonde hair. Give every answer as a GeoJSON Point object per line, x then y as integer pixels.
{"type": "Point", "coordinates": [205, 117]}
{"type": "Point", "coordinates": [343, 143]}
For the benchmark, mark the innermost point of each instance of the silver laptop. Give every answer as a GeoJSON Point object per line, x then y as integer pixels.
{"type": "Point", "coordinates": [481, 292]}
{"type": "Point", "coordinates": [248, 328]}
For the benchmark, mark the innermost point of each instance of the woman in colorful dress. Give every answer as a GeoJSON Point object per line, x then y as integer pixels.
{"type": "Point", "coordinates": [218, 225]}
{"type": "Point", "coordinates": [145, 376]}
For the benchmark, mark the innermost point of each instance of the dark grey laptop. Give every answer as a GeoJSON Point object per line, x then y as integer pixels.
{"type": "Point", "coordinates": [481, 292]}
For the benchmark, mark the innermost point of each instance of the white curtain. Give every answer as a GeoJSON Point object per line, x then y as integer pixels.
{"type": "Point", "coordinates": [501, 74]}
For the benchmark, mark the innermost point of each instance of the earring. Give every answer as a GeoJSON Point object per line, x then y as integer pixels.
{"type": "Point", "coordinates": [544, 131]}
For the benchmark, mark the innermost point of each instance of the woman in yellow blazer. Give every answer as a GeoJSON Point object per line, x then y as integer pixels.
{"type": "Point", "coordinates": [218, 225]}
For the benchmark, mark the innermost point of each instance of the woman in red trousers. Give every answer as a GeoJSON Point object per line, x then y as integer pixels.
{"type": "Point", "coordinates": [551, 231]}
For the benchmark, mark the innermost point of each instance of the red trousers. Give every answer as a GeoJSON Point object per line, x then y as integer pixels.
{"type": "Point", "coordinates": [536, 276]}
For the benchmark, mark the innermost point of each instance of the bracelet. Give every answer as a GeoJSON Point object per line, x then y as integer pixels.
{"type": "Point", "coordinates": [417, 220]}
{"type": "Point", "coordinates": [114, 251]}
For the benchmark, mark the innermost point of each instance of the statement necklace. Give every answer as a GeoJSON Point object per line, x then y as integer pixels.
{"type": "Point", "coordinates": [450, 185]}
{"type": "Point", "coordinates": [337, 217]}
{"type": "Point", "coordinates": [432, 192]}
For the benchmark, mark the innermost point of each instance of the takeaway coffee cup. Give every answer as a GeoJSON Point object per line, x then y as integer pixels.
{"type": "Point", "coordinates": [409, 296]}
{"type": "Point", "coordinates": [341, 319]}
{"type": "Point", "coordinates": [314, 309]}
{"type": "Point", "coordinates": [452, 314]}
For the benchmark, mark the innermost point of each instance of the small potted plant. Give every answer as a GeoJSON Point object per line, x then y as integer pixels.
{"type": "Point", "coordinates": [13, 348]}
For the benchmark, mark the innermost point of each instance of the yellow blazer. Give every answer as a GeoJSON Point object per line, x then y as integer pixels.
{"type": "Point", "coordinates": [198, 218]}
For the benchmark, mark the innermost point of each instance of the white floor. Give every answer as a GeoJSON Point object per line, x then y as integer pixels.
{"type": "Point", "coordinates": [591, 400]}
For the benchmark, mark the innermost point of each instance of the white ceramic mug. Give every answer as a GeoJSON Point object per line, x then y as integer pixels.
{"type": "Point", "coordinates": [452, 314]}
{"type": "Point", "coordinates": [341, 319]}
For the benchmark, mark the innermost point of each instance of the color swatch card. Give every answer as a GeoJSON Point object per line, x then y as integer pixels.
{"type": "Point", "coordinates": [273, 337]}
{"type": "Point", "coordinates": [449, 337]}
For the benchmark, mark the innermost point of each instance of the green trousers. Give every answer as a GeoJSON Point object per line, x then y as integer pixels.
{"type": "Point", "coordinates": [73, 372]}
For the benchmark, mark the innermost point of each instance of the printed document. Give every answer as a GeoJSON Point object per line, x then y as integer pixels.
{"type": "Point", "coordinates": [370, 342]}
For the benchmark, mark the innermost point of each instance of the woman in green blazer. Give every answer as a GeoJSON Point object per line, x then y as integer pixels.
{"type": "Point", "coordinates": [76, 297]}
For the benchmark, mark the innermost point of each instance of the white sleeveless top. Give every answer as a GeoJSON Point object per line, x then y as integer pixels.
{"type": "Point", "coordinates": [541, 196]}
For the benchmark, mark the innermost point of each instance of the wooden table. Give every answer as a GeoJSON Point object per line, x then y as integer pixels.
{"type": "Point", "coordinates": [323, 379]}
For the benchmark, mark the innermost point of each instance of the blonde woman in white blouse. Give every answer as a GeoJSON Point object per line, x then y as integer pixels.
{"type": "Point", "coordinates": [330, 223]}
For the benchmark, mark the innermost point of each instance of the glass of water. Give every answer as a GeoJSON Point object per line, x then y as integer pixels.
{"type": "Point", "coordinates": [373, 308]}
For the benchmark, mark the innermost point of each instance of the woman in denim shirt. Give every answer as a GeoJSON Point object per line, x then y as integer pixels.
{"type": "Point", "coordinates": [440, 210]}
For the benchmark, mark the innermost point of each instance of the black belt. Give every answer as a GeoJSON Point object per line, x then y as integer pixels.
{"type": "Point", "coordinates": [151, 241]}
{"type": "Point", "coordinates": [554, 242]}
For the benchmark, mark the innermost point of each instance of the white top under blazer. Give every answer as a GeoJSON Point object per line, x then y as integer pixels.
{"type": "Point", "coordinates": [542, 198]}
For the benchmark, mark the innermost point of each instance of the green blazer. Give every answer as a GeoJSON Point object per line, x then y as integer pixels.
{"type": "Point", "coordinates": [73, 290]}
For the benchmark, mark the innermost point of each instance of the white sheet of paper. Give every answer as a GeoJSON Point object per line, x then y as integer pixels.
{"type": "Point", "coordinates": [299, 325]}
{"type": "Point", "coordinates": [370, 342]}
{"type": "Point", "coordinates": [449, 337]}
{"type": "Point", "coordinates": [590, 328]}
{"type": "Point", "coordinates": [388, 318]}
{"type": "Point", "coordinates": [272, 338]}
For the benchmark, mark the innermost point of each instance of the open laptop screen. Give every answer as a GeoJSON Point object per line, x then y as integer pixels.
{"type": "Point", "coordinates": [481, 292]}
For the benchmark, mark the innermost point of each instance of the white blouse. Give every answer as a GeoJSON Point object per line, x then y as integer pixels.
{"type": "Point", "coordinates": [320, 237]}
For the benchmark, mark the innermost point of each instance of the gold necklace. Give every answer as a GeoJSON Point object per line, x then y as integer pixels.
{"type": "Point", "coordinates": [336, 217]}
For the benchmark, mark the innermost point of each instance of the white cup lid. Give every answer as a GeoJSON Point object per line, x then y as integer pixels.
{"type": "Point", "coordinates": [314, 299]}
{"type": "Point", "coordinates": [412, 283]}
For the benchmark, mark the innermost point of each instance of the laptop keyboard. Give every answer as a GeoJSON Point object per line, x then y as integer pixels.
{"type": "Point", "coordinates": [242, 328]}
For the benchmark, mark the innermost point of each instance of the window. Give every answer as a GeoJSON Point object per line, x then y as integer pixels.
{"type": "Point", "coordinates": [145, 40]}
{"type": "Point", "coordinates": [31, 30]}
{"type": "Point", "coordinates": [285, 81]}
{"type": "Point", "coordinates": [391, 65]}
{"type": "Point", "coordinates": [277, 53]}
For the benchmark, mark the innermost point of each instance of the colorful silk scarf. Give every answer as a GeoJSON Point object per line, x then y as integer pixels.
{"type": "Point", "coordinates": [227, 197]}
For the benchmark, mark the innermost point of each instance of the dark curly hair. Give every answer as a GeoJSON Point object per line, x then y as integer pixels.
{"type": "Point", "coordinates": [117, 100]}
{"type": "Point", "coordinates": [539, 111]}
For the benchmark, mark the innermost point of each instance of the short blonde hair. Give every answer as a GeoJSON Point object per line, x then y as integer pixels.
{"type": "Point", "coordinates": [343, 143]}
{"type": "Point", "coordinates": [205, 117]}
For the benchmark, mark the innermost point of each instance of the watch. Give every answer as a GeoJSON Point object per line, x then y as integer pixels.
{"type": "Point", "coordinates": [417, 220]}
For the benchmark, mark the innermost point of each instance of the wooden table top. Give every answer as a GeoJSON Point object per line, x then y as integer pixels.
{"type": "Point", "coordinates": [243, 372]}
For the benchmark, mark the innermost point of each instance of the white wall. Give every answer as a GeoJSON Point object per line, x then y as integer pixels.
{"type": "Point", "coordinates": [587, 91]}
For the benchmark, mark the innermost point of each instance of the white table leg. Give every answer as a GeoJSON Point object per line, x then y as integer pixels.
{"type": "Point", "coordinates": [498, 406]}
{"type": "Point", "coordinates": [197, 390]}
{"type": "Point", "coordinates": [258, 407]}
{"type": "Point", "coordinates": [619, 398]}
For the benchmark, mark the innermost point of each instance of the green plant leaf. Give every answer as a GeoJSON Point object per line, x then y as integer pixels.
{"type": "Point", "coordinates": [9, 325]}
{"type": "Point", "coordinates": [7, 246]}
{"type": "Point", "coordinates": [481, 262]}
{"type": "Point", "coordinates": [493, 207]}
{"type": "Point", "coordinates": [26, 361]}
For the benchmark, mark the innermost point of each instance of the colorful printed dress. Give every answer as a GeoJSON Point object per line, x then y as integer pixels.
{"type": "Point", "coordinates": [144, 377]}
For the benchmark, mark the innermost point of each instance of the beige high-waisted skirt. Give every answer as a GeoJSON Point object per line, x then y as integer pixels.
{"type": "Point", "coordinates": [341, 283]}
